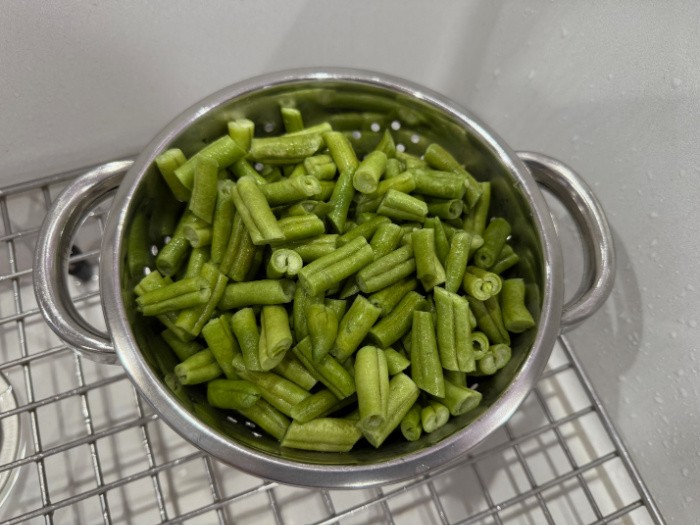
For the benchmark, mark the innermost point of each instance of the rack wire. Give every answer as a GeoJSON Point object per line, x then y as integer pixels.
{"type": "Point", "coordinates": [91, 450]}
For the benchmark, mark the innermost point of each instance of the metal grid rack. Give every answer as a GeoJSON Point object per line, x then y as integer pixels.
{"type": "Point", "coordinates": [91, 450]}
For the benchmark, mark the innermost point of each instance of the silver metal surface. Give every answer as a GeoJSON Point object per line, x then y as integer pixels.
{"type": "Point", "coordinates": [10, 440]}
{"type": "Point", "coordinates": [599, 251]}
{"type": "Point", "coordinates": [423, 116]}
{"type": "Point", "coordinates": [97, 453]}
{"type": "Point", "coordinates": [52, 255]}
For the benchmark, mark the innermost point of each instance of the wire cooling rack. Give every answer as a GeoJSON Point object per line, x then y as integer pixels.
{"type": "Point", "coordinates": [79, 445]}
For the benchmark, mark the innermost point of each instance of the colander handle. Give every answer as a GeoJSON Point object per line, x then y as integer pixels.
{"type": "Point", "coordinates": [599, 251]}
{"type": "Point", "coordinates": [53, 252]}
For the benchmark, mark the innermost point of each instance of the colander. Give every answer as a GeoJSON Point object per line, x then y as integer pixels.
{"type": "Point", "coordinates": [417, 116]}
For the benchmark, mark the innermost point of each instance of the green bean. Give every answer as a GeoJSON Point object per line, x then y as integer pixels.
{"type": "Point", "coordinates": [245, 328]}
{"type": "Point", "coordinates": [354, 327]}
{"type": "Point", "coordinates": [326, 370]}
{"type": "Point", "coordinates": [366, 229]}
{"type": "Point", "coordinates": [291, 119]}
{"type": "Point", "coordinates": [385, 239]}
{"type": "Point", "coordinates": [264, 291]}
{"type": "Point", "coordinates": [403, 393]}
{"type": "Point", "coordinates": [267, 418]}
{"type": "Point", "coordinates": [369, 171]}
{"type": "Point", "coordinates": [460, 399]}
{"type": "Point", "coordinates": [285, 149]}
{"type": "Point", "coordinates": [176, 303]}
{"type": "Point", "coordinates": [516, 316]}
{"type": "Point", "coordinates": [475, 220]}
{"type": "Point", "coordinates": [440, 184]}
{"type": "Point", "coordinates": [402, 206]}
{"type": "Point", "coordinates": [505, 260]}
{"type": "Point", "coordinates": [198, 368]}
{"type": "Point", "coordinates": [387, 270]}
{"type": "Point", "coordinates": [411, 426]}
{"type": "Point", "coordinates": [167, 163]}
{"type": "Point", "coordinates": [411, 162]}
{"type": "Point", "coordinates": [242, 131]}
{"type": "Point", "coordinates": [155, 280]}
{"type": "Point", "coordinates": [242, 168]}
{"type": "Point", "coordinates": [291, 368]}
{"type": "Point", "coordinates": [481, 284]}
{"type": "Point", "coordinates": [395, 361]}
{"type": "Point", "coordinates": [428, 268]}
{"type": "Point", "coordinates": [319, 404]}
{"type": "Point", "coordinates": [387, 298]}
{"type": "Point", "coordinates": [398, 322]}
{"type": "Point", "coordinates": [327, 271]}
{"type": "Point", "coordinates": [341, 151]}
{"type": "Point", "coordinates": [204, 190]}
{"type": "Point", "coordinates": [455, 377]}
{"type": "Point", "coordinates": [480, 344]}
{"type": "Point", "coordinates": [232, 393]}
{"type": "Point", "coordinates": [337, 306]}
{"type": "Point", "coordinates": [372, 383]}
{"type": "Point", "coordinates": [438, 157]}
{"type": "Point", "coordinates": [283, 263]}
{"type": "Point", "coordinates": [138, 245]}
{"type": "Point", "coordinates": [489, 319]}
{"type": "Point", "coordinates": [315, 247]}
{"type": "Point", "coordinates": [193, 319]}
{"type": "Point", "coordinates": [178, 390]}
{"type": "Point", "coordinates": [223, 220]}
{"type": "Point", "coordinates": [321, 166]}
{"type": "Point", "coordinates": [341, 199]}
{"type": "Point", "coordinates": [494, 237]}
{"type": "Point", "coordinates": [173, 290]}
{"type": "Point", "coordinates": [394, 169]}
{"type": "Point", "coordinates": [456, 263]}
{"type": "Point", "coordinates": [447, 209]}
{"type": "Point", "coordinates": [199, 236]}
{"type": "Point", "coordinates": [275, 336]}
{"type": "Point", "coordinates": [322, 325]}
{"type": "Point", "coordinates": [434, 416]}
{"type": "Point", "coordinates": [291, 190]}
{"type": "Point", "coordinates": [257, 216]}
{"type": "Point", "coordinates": [276, 390]}
{"type": "Point", "coordinates": [223, 346]}
{"type": "Point", "coordinates": [322, 434]}
{"type": "Point", "coordinates": [182, 349]}
{"type": "Point", "coordinates": [442, 245]}
{"type": "Point", "coordinates": [171, 256]}
{"type": "Point", "coordinates": [426, 370]}
{"type": "Point", "coordinates": [386, 144]}
{"type": "Point", "coordinates": [224, 150]}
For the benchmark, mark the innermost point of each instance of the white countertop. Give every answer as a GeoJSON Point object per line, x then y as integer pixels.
{"type": "Point", "coordinates": [612, 90]}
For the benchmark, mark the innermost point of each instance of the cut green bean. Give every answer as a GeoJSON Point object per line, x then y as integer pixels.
{"type": "Point", "coordinates": [439, 184]}
{"type": "Point", "coordinates": [242, 131]}
{"type": "Point", "coordinates": [402, 206]}
{"type": "Point", "coordinates": [315, 247]}
{"type": "Point", "coordinates": [428, 268]}
{"type": "Point", "coordinates": [319, 404]}
{"type": "Point", "coordinates": [283, 263]}
{"type": "Point", "coordinates": [204, 190]}
{"type": "Point", "coordinates": [403, 393]}
{"type": "Point", "coordinates": [341, 199]}
{"type": "Point", "coordinates": [426, 370]}
{"type": "Point", "coordinates": [291, 368]}
{"type": "Point", "coordinates": [198, 368]}
{"type": "Point", "coordinates": [395, 361]}
{"type": "Point", "coordinates": [223, 346]}
{"type": "Point", "coordinates": [505, 260]}
{"type": "Point", "coordinates": [242, 168]}
{"type": "Point", "coordinates": [387, 298]}
{"type": "Point", "coordinates": [516, 316]}
{"type": "Point", "coordinates": [245, 328]}
{"type": "Point", "coordinates": [354, 327]}
{"type": "Point", "coordinates": [167, 163]}
{"type": "Point", "coordinates": [434, 416]}
{"type": "Point", "coordinates": [369, 171]}
{"type": "Point", "coordinates": [264, 291]}
{"type": "Point", "coordinates": [285, 149]}
{"type": "Point", "coordinates": [442, 245]}
{"type": "Point", "coordinates": [322, 434]}
{"type": "Point", "coordinates": [489, 319]}
{"type": "Point", "coordinates": [173, 290]}
{"type": "Point", "coordinates": [385, 239]}
{"type": "Point", "coordinates": [456, 263]}
{"type": "Point", "coordinates": [257, 216]}
{"type": "Point", "coordinates": [448, 209]}
{"type": "Point", "coordinates": [193, 319]}
{"type": "Point", "coordinates": [291, 119]}
{"type": "Point", "coordinates": [475, 220]}
{"type": "Point", "coordinates": [481, 284]}
{"type": "Point", "coordinates": [372, 383]}
{"type": "Point", "coordinates": [387, 270]}
{"type": "Point", "coordinates": [298, 227]}
{"type": "Point", "coordinates": [223, 221]}
{"type": "Point", "coordinates": [341, 151]}
{"type": "Point", "coordinates": [480, 344]}
{"type": "Point", "coordinates": [494, 237]}
{"type": "Point", "coordinates": [224, 151]}
{"type": "Point", "coordinates": [439, 158]}
{"type": "Point", "coordinates": [460, 399]}
{"type": "Point", "coordinates": [176, 304]}
{"type": "Point", "coordinates": [366, 229]}
{"type": "Point", "coordinates": [411, 426]}
{"type": "Point", "coordinates": [182, 349]}
{"type": "Point", "coordinates": [198, 236]}
{"type": "Point", "coordinates": [386, 144]}
{"type": "Point", "coordinates": [291, 190]}
{"type": "Point", "coordinates": [320, 166]}
{"type": "Point", "coordinates": [327, 370]}
{"type": "Point", "coordinates": [232, 394]}
{"type": "Point", "coordinates": [275, 336]}
{"type": "Point", "coordinates": [322, 325]}
{"type": "Point", "coordinates": [267, 418]}
{"type": "Point", "coordinates": [399, 321]}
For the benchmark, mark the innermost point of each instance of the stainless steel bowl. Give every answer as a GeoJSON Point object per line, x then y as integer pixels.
{"type": "Point", "coordinates": [419, 116]}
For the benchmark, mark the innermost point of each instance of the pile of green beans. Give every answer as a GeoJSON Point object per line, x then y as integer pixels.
{"type": "Point", "coordinates": [325, 293]}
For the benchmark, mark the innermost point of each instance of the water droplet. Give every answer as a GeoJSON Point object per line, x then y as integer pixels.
{"type": "Point", "coordinates": [692, 323]}
{"type": "Point", "coordinates": [564, 32]}
{"type": "Point", "coordinates": [653, 215]}
{"type": "Point", "coordinates": [673, 334]}
{"type": "Point", "coordinates": [531, 75]}
{"type": "Point", "coordinates": [610, 76]}
{"type": "Point", "coordinates": [676, 82]}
